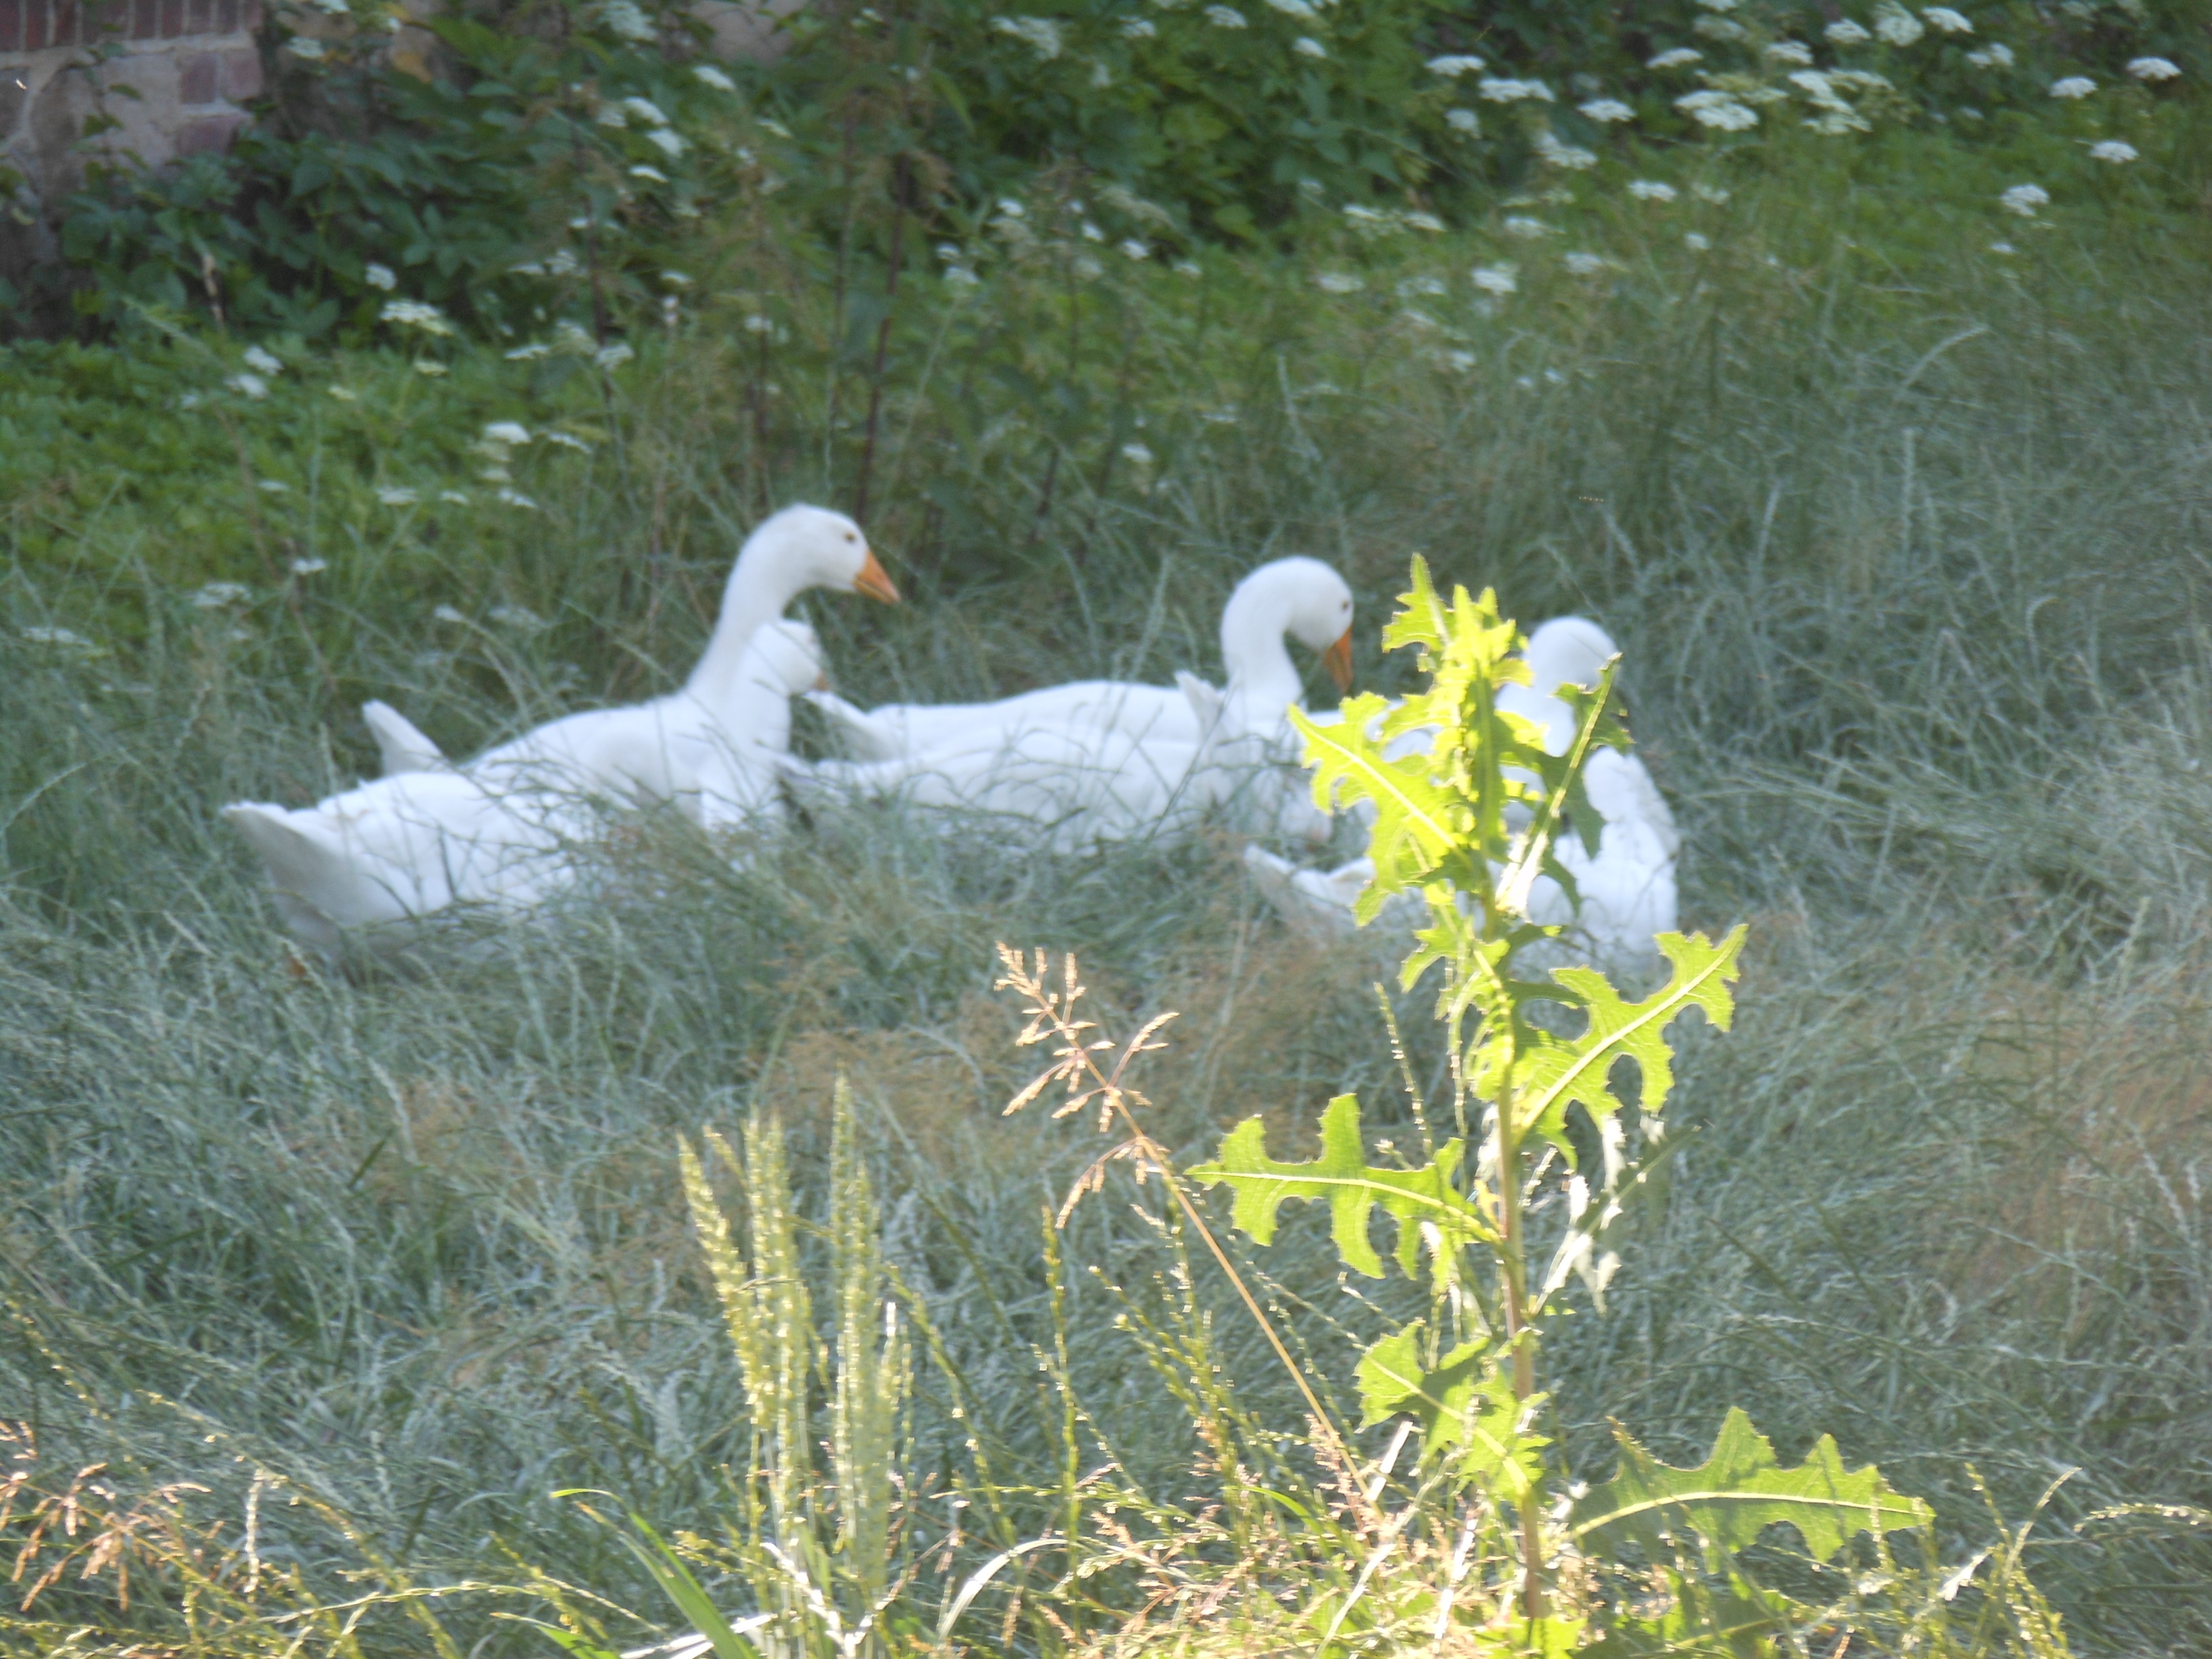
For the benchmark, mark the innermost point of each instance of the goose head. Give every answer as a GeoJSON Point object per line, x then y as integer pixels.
{"type": "Point", "coordinates": [1299, 597]}
{"type": "Point", "coordinates": [1567, 651]}
{"type": "Point", "coordinates": [804, 547]}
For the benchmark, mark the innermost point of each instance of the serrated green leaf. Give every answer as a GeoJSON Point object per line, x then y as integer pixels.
{"type": "Point", "coordinates": [1466, 1402]}
{"type": "Point", "coordinates": [1412, 831]}
{"type": "Point", "coordinates": [1737, 1493]}
{"type": "Point", "coordinates": [1733, 1618]}
{"type": "Point", "coordinates": [1551, 1073]}
{"type": "Point", "coordinates": [1342, 1178]}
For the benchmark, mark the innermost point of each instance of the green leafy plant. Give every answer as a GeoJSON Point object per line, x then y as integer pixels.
{"type": "Point", "coordinates": [1561, 1083]}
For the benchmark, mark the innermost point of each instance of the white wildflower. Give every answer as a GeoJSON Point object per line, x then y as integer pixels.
{"type": "Point", "coordinates": [1460, 363]}
{"type": "Point", "coordinates": [1676, 58]}
{"type": "Point", "coordinates": [2004, 248]}
{"type": "Point", "coordinates": [523, 354]}
{"type": "Point", "coordinates": [1526, 229]}
{"type": "Point", "coordinates": [1720, 29]}
{"type": "Point", "coordinates": [572, 339]}
{"type": "Point", "coordinates": [1226, 17]}
{"type": "Point", "coordinates": [1606, 111]}
{"type": "Point", "coordinates": [1996, 55]}
{"type": "Point", "coordinates": [2153, 69]}
{"type": "Point", "coordinates": [707, 74]}
{"type": "Point", "coordinates": [1304, 10]}
{"type": "Point", "coordinates": [1553, 153]}
{"type": "Point", "coordinates": [1136, 454]}
{"type": "Point", "coordinates": [1136, 250]}
{"type": "Point", "coordinates": [1712, 193]}
{"type": "Point", "coordinates": [494, 475]}
{"type": "Point", "coordinates": [1946, 21]}
{"type": "Point", "coordinates": [567, 440]}
{"type": "Point", "coordinates": [216, 596]}
{"type": "Point", "coordinates": [1453, 67]}
{"type": "Point", "coordinates": [61, 639]}
{"type": "Point", "coordinates": [1650, 190]}
{"type": "Point", "coordinates": [304, 46]}
{"type": "Point", "coordinates": [1139, 28]}
{"type": "Point", "coordinates": [515, 498]}
{"type": "Point", "coordinates": [1844, 33]}
{"type": "Point", "coordinates": [379, 277]}
{"type": "Point", "coordinates": [672, 142]}
{"type": "Point", "coordinates": [396, 495]}
{"type": "Point", "coordinates": [262, 362]}
{"type": "Point", "coordinates": [413, 313]}
{"type": "Point", "coordinates": [344, 395]}
{"type": "Point", "coordinates": [273, 486]}
{"type": "Point", "coordinates": [2111, 149]}
{"type": "Point", "coordinates": [1790, 51]}
{"type": "Point", "coordinates": [459, 498]}
{"type": "Point", "coordinates": [2025, 199]}
{"type": "Point", "coordinates": [1416, 287]}
{"type": "Point", "coordinates": [962, 277]}
{"type": "Point", "coordinates": [626, 19]}
{"type": "Point", "coordinates": [188, 400]}
{"type": "Point", "coordinates": [652, 175]}
{"type": "Point", "coordinates": [1718, 110]}
{"type": "Point", "coordinates": [446, 613]}
{"type": "Point", "coordinates": [1896, 25]}
{"type": "Point", "coordinates": [1585, 265]}
{"type": "Point", "coordinates": [564, 263]}
{"type": "Point", "coordinates": [430, 368]}
{"type": "Point", "coordinates": [646, 110]}
{"type": "Point", "coordinates": [309, 567]}
{"type": "Point", "coordinates": [612, 357]}
{"type": "Point", "coordinates": [1338, 282]}
{"type": "Point", "coordinates": [1498, 91]}
{"type": "Point", "coordinates": [1189, 269]}
{"type": "Point", "coordinates": [2074, 86]}
{"type": "Point", "coordinates": [520, 618]}
{"type": "Point", "coordinates": [1428, 222]}
{"type": "Point", "coordinates": [507, 432]}
{"type": "Point", "coordinates": [1464, 120]}
{"type": "Point", "coordinates": [252, 385]}
{"type": "Point", "coordinates": [1306, 46]}
{"type": "Point", "coordinates": [1497, 279]}
{"type": "Point", "coordinates": [1040, 34]}
{"type": "Point", "coordinates": [1697, 243]}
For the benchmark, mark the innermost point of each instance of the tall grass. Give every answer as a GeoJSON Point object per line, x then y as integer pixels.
{"type": "Point", "coordinates": [1903, 541]}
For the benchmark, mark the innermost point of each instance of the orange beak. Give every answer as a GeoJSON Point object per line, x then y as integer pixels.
{"type": "Point", "coordinates": [822, 681]}
{"type": "Point", "coordinates": [875, 581]}
{"type": "Point", "coordinates": [1338, 661]}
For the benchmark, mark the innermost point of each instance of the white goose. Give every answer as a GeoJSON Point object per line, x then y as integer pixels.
{"type": "Point", "coordinates": [1301, 598]}
{"type": "Point", "coordinates": [499, 832]}
{"type": "Point", "coordinates": [1628, 888]}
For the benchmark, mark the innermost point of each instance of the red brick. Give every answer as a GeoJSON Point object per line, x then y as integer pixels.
{"type": "Point", "coordinates": [68, 23]}
{"type": "Point", "coordinates": [226, 16]}
{"type": "Point", "coordinates": [241, 73]}
{"type": "Point", "coordinates": [173, 19]}
{"type": "Point", "coordinates": [208, 132]}
{"type": "Point", "coordinates": [196, 73]}
{"type": "Point", "coordinates": [36, 20]}
{"type": "Point", "coordinates": [145, 19]}
{"type": "Point", "coordinates": [249, 15]}
{"type": "Point", "coordinates": [11, 25]}
{"type": "Point", "coordinates": [107, 20]}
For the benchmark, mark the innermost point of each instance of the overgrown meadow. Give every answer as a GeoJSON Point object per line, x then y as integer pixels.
{"type": "Point", "coordinates": [370, 1316]}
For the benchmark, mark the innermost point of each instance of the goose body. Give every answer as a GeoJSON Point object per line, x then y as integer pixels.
{"type": "Point", "coordinates": [1626, 889]}
{"type": "Point", "coordinates": [502, 832]}
{"type": "Point", "coordinates": [1298, 597]}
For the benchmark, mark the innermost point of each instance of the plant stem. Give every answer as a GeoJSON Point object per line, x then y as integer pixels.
{"type": "Point", "coordinates": [1513, 1268]}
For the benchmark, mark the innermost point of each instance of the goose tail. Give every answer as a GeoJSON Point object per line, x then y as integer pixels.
{"type": "Point", "coordinates": [863, 736]}
{"type": "Point", "coordinates": [400, 742]}
{"type": "Point", "coordinates": [320, 890]}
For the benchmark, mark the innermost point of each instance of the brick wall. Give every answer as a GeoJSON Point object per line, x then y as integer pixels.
{"type": "Point", "coordinates": [176, 86]}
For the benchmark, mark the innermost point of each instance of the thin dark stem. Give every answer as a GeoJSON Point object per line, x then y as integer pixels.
{"type": "Point", "coordinates": [900, 168]}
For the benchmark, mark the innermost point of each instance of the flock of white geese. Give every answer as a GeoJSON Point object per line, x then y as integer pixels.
{"type": "Point", "coordinates": [1067, 767]}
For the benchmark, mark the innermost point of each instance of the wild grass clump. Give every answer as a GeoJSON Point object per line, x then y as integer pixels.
{"type": "Point", "coordinates": [1907, 642]}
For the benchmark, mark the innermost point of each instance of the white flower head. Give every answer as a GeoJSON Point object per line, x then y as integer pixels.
{"type": "Point", "coordinates": [1136, 454]}
{"type": "Point", "coordinates": [1306, 46]}
{"type": "Point", "coordinates": [1790, 51]}
{"type": "Point", "coordinates": [2004, 248]}
{"type": "Point", "coordinates": [273, 486]}
{"type": "Point", "coordinates": [2074, 86]}
{"type": "Point", "coordinates": [379, 277]}
{"type": "Point", "coordinates": [1650, 190]}
{"type": "Point", "coordinates": [2112, 150]}
{"type": "Point", "coordinates": [304, 46]}
{"type": "Point", "coordinates": [524, 354]}
{"type": "Point", "coordinates": [572, 339]}
{"type": "Point", "coordinates": [1303, 11]}
{"type": "Point", "coordinates": [1606, 111]}
{"type": "Point", "coordinates": [1415, 287]}
{"type": "Point", "coordinates": [413, 313]}
{"type": "Point", "coordinates": [1896, 25]}
{"type": "Point", "coordinates": [1499, 279]}
{"type": "Point", "coordinates": [1418, 220]}
{"type": "Point", "coordinates": [457, 498]}
{"type": "Point", "coordinates": [1585, 265]}
{"type": "Point", "coordinates": [1697, 242]}
{"type": "Point", "coordinates": [61, 639]}
{"type": "Point", "coordinates": [1844, 33]}
{"type": "Point", "coordinates": [612, 357]}
{"type": "Point", "coordinates": [1338, 282]}
{"type": "Point", "coordinates": [1720, 29]}
{"type": "Point", "coordinates": [2025, 199]}
{"type": "Point", "coordinates": [626, 19]}
{"type": "Point", "coordinates": [1676, 58]}
{"type": "Point", "coordinates": [1464, 120]}
{"type": "Point", "coordinates": [430, 368]}
{"type": "Point", "coordinates": [507, 432]}
{"type": "Point", "coordinates": [2153, 69]}
{"type": "Point", "coordinates": [1712, 193]}
{"type": "Point", "coordinates": [1131, 248]}
{"type": "Point", "coordinates": [1460, 363]}
{"type": "Point", "coordinates": [252, 385]}
{"type": "Point", "coordinates": [218, 596]}
{"type": "Point", "coordinates": [1996, 55]}
{"type": "Point", "coordinates": [1138, 28]}
{"type": "Point", "coordinates": [1040, 34]}
{"type": "Point", "coordinates": [1226, 17]}
{"type": "Point", "coordinates": [397, 495]}
{"type": "Point", "coordinates": [1452, 68]}
{"type": "Point", "coordinates": [646, 110]}
{"type": "Point", "coordinates": [1499, 91]}
{"type": "Point", "coordinates": [344, 394]}
{"type": "Point", "coordinates": [650, 174]}
{"type": "Point", "coordinates": [707, 74]}
{"type": "Point", "coordinates": [567, 440]}
{"type": "Point", "coordinates": [1553, 153]}
{"type": "Point", "coordinates": [263, 362]}
{"type": "Point", "coordinates": [515, 498]}
{"type": "Point", "coordinates": [309, 567]}
{"type": "Point", "coordinates": [519, 617]}
{"type": "Point", "coordinates": [671, 143]}
{"type": "Point", "coordinates": [1526, 229]}
{"type": "Point", "coordinates": [1721, 110]}
{"type": "Point", "coordinates": [1945, 20]}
